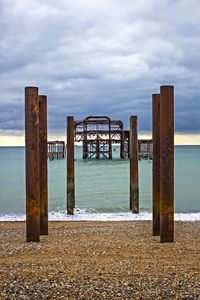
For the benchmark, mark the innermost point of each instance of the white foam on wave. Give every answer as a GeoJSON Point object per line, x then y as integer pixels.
{"type": "Point", "coordinates": [92, 215]}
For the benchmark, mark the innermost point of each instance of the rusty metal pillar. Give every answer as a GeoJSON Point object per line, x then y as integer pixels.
{"type": "Point", "coordinates": [156, 163]}
{"type": "Point", "coordinates": [43, 165]}
{"type": "Point", "coordinates": [109, 142]}
{"type": "Point", "coordinates": [70, 166]}
{"type": "Point", "coordinates": [122, 144]}
{"type": "Point", "coordinates": [85, 149]}
{"type": "Point", "coordinates": [97, 148]}
{"type": "Point", "coordinates": [110, 149]}
{"type": "Point", "coordinates": [63, 150]}
{"type": "Point", "coordinates": [134, 187]}
{"type": "Point", "coordinates": [85, 142]}
{"type": "Point", "coordinates": [167, 163]}
{"type": "Point", "coordinates": [129, 145]}
{"type": "Point", "coordinates": [32, 164]}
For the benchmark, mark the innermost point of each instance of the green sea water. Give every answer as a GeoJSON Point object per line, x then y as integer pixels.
{"type": "Point", "coordinates": [101, 185]}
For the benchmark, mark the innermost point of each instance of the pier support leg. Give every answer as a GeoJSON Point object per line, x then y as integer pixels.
{"type": "Point", "coordinates": [166, 163]}
{"type": "Point", "coordinates": [97, 148]}
{"type": "Point", "coordinates": [32, 164]}
{"type": "Point", "coordinates": [122, 145]}
{"type": "Point", "coordinates": [156, 163]}
{"type": "Point", "coordinates": [70, 166]}
{"type": "Point", "coordinates": [63, 150]}
{"type": "Point", "coordinates": [43, 165]}
{"type": "Point", "coordinates": [85, 142]}
{"type": "Point", "coordinates": [134, 188]}
{"type": "Point", "coordinates": [85, 149]}
{"type": "Point", "coordinates": [110, 149]}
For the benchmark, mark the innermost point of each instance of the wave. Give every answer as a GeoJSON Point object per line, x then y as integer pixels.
{"type": "Point", "coordinates": [93, 215]}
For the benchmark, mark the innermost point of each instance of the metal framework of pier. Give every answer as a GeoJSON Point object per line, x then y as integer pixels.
{"type": "Point", "coordinates": [56, 149]}
{"type": "Point", "coordinates": [99, 133]}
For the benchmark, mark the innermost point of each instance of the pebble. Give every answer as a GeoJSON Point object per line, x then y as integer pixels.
{"type": "Point", "coordinates": [99, 260]}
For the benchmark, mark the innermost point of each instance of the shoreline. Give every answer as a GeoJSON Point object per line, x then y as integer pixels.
{"type": "Point", "coordinates": [100, 260]}
{"type": "Point", "coordinates": [84, 215]}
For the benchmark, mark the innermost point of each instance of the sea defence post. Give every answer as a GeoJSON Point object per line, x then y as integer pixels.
{"type": "Point", "coordinates": [167, 163]}
{"type": "Point", "coordinates": [163, 163]}
{"type": "Point", "coordinates": [32, 164]}
{"type": "Point", "coordinates": [43, 166]}
{"type": "Point", "coordinates": [70, 166]}
{"type": "Point", "coordinates": [156, 163]}
{"type": "Point", "coordinates": [134, 186]}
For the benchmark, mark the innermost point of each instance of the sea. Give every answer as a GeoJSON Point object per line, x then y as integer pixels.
{"type": "Point", "coordinates": [101, 186]}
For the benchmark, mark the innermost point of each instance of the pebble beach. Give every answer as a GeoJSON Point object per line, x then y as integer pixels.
{"type": "Point", "coordinates": [100, 260]}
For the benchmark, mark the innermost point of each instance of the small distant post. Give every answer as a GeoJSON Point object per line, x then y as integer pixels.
{"type": "Point", "coordinates": [167, 163]}
{"type": "Point", "coordinates": [43, 165]}
{"type": "Point", "coordinates": [134, 187]}
{"type": "Point", "coordinates": [156, 163]}
{"type": "Point", "coordinates": [110, 142]}
{"type": "Point", "coordinates": [32, 164]}
{"type": "Point", "coordinates": [63, 149]}
{"type": "Point", "coordinates": [85, 148]}
{"type": "Point", "coordinates": [122, 144]}
{"type": "Point", "coordinates": [85, 142]}
{"type": "Point", "coordinates": [70, 166]}
{"type": "Point", "coordinates": [97, 148]}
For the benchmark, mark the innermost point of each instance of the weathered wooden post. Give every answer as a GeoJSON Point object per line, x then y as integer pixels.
{"type": "Point", "coordinates": [156, 163]}
{"type": "Point", "coordinates": [167, 163]}
{"type": "Point", "coordinates": [134, 187]}
{"type": "Point", "coordinates": [32, 164]}
{"type": "Point", "coordinates": [43, 165]}
{"type": "Point", "coordinates": [70, 166]}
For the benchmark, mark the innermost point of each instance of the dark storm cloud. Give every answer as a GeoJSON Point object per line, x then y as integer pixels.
{"type": "Point", "coordinates": [100, 57]}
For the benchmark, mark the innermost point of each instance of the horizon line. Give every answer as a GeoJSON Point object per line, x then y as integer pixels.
{"type": "Point", "coordinates": [180, 139]}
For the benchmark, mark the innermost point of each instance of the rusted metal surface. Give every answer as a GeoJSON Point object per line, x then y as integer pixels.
{"type": "Point", "coordinates": [156, 163]}
{"type": "Point", "coordinates": [134, 187]}
{"type": "Point", "coordinates": [43, 165]}
{"type": "Point", "coordinates": [167, 164]}
{"type": "Point", "coordinates": [56, 149]}
{"type": "Point", "coordinates": [122, 150]}
{"type": "Point", "coordinates": [70, 166]}
{"type": "Point", "coordinates": [99, 133]}
{"type": "Point", "coordinates": [32, 164]}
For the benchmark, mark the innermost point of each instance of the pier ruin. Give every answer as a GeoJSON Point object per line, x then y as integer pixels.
{"type": "Point", "coordinates": [98, 134]}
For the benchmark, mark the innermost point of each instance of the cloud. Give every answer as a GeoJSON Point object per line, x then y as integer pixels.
{"type": "Point", "coordinates": [100, 58]}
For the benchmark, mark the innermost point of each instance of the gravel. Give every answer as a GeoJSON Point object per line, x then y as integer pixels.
{"type": "Point", "coordinates": [100, 260]}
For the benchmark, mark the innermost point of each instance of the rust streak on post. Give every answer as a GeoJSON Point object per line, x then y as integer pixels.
{"type": "Point", "coordinates": [156, 163]}
{"type": "Point", "coordinates": [43, 165]}
{"type": "Point", "coordinates": [70, 166]}
{"type": "Point", "coordinates": [166, 163]}
{"type": "Point", "coordinates": [32, 164]}
{"type": "Point", "coordinates": [134, 188]}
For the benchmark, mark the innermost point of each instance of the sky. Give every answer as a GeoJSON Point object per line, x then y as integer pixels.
{"type": "Point", "coordinates": [103, 57]}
